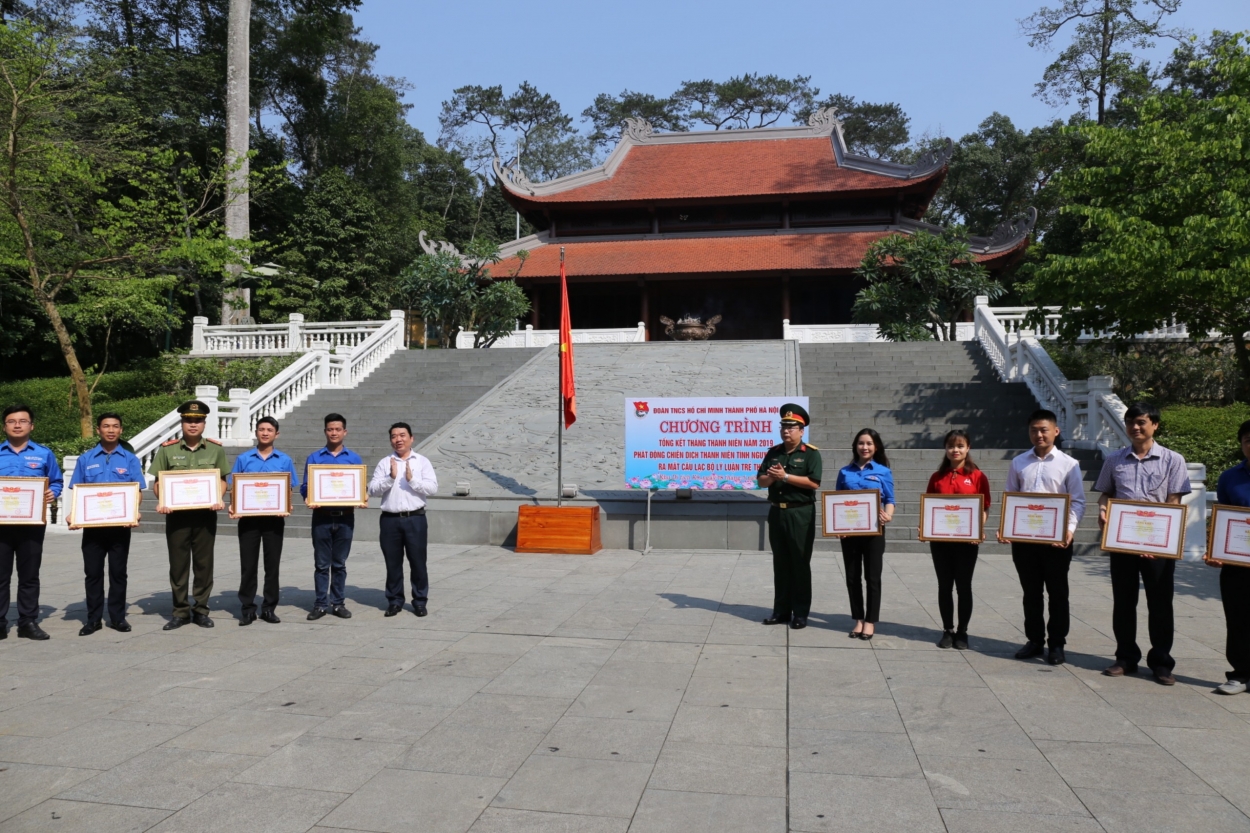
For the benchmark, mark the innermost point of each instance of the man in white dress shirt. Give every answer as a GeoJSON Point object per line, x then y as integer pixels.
{"type": "Point", "coordinates": [1040, 567]}
{"type": "Point", "coordinates": [404, 480]}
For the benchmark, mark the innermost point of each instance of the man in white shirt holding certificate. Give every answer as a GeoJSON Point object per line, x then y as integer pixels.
{"type": "Point", "coordinates": [404, 480]}
{"type": "Point", "coordinates": [1046, 469]}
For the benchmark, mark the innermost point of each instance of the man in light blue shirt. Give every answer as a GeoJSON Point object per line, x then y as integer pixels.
{"type": "Point", "coordinates": [259, 531]}
{"type": "Point", "coordinates": [23, 543]}
{"type": "Point", "coordinates": [108, 462]}
{"type": "Point", "coordinates": [332, 528]}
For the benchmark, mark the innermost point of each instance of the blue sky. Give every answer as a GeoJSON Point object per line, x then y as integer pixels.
{"type": "Point", "coordinates": [949, 63]}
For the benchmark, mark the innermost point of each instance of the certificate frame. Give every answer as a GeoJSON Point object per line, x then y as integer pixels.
{"type": "Point", "coordinates": [1224, 519]}
{"type": "Point", "coordinates": [83, 491]}
{"type": "Point", "coordinates": [975, 504]}
{"type": "Point", "coordinates": [15, 486]}
{"type": "Point", "coordinates": [1120, 512]}
{"type": "Point", "coordinates": [166, 480]}
{"type": "Point", "coordinates": [849, 497]}
{"type": "Point", "coordinates": [1045, 502]}
{"type": "Point", "coordinates": [317, 471]}
{"type": "Point", "coordinates": [241, 481]}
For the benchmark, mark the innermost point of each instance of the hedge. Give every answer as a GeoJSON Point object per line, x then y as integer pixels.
{"type": "Point", "coordinates": [1204, 435]}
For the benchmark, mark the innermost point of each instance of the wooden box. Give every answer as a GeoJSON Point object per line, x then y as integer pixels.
{"type": "Point", "coordinates": [558, 529]}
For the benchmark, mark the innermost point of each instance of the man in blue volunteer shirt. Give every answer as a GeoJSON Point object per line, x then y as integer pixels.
{"type": "Point", "coordinates": [261, 530]}
{"type": "Point", "coordinates": [1233, 489]}
{"type": "Point", "coordinates": [23, 543]}
{"type": "Point", "coordinates": [332, 528]}
{"type": "Point", "coordinates": [108, 462]}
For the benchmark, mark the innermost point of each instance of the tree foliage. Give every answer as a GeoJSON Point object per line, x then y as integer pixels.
{"type": "Point", "coordinates": [919, 285]}
{"type": "Point", "coordinates": [458, 293]}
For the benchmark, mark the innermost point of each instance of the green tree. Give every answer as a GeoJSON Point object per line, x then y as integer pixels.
{"type": "Point", "coordinates": [1164, 213]}
{"type": "Point", "coordinates": [919, 285]}
{"type": "Point", "coordinates": [745, 101]}
{"type": "Point", "coordinates": [869, 129]}
{"type": "Point", "coordinates": [608, 113]}
{"type": "Point", "coordinates": [458, 293]}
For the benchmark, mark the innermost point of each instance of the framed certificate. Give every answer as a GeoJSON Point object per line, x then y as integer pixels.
{"type": "Point", "coordinates": [21, 500]}
{"type": "Point", "coordinates": [105, 504]}
{"type": "Point", "coordinates": [851, 512]}
{"type": "Point", "coordinates": [1137, 527]}
{"type": "Point", "coordinates": [952, 518]}
{"type": "Point", "coordinates": [1229, 540]}
{"type": "Point", "coordinates": [190, 489]}
{"type": "Point", "coordinates": [337, 486]}
{"type": "Point", "coordinates": [261, 493]}
{"type": "Point", "coordinates": [1034, 517]}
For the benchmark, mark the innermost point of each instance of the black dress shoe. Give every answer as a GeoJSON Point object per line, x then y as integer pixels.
{"type": "Point", "coordinates": [4, 632]}
{"type": "Point", "coordinates": [317, 613]}
{"type": "Point", "coordinates": [1056, 657]}
{"type": "Point", "coordinates": [175, 623]}
{"type": "Point", "coordinates": [247, 619]}
{"type": "Point", "coordinates": [1030, 650]}
{"type": "Point", "coordinates": [121, 626]}
{"type": "Point", "coordinates": [777, 620]}
{"type": "Point", "coordinates": [961, 642]}
{"type": "Point", "coordinates": [202, 620]}
{"type": "Point", "coordinates": [91, 627]}
{"type": "Point", "coordinates": [270, 617]}
{"type": "Point", "coordinates": [341, 611]}
{"type": "Point", "coordinates": [867, 636]}
{"type": "Point", "coordinates": [797, 624]}
{"type": "Point", "coordinates": [31, 630]}
{"type": "Point", "coordinates": [419, 610]}
{"type": "Point", "coordinates": [392, 610]}
{"type": "Point", "coordinates": [947, 640]}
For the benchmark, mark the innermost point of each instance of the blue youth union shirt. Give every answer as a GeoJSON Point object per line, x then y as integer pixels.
{"type": "Point", "coordinates": [322, 457]}
{"type": "Point", "coordinates": [100, 466]}
{"type": "Point", "coordinates": [278, 462]}
{"type": "Point", "coordinates": [34, 460]}
{"type": "Point", "coordinates": [872, 476]}
{"type": "Point", "coordinates": [1233, 488]}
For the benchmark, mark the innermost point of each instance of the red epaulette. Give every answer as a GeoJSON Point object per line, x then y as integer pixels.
{"type": "Point", "coordinates": [214, 442]}
{"type": "Point", "coordinates": [170, 442]}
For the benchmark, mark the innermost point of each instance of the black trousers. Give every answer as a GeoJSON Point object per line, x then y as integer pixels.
{"type": "Point", "coordinates": [101, 544]}
{"type": "Point", "coordinates": [1156, 576]}
{"type": "Point", "coordinates": [1235, 592]}
{"type": "Point", "coordinates": [791, 535]}
{"type": "Point", "coordinates": [954, 564]}
{"type": "Point", "coordinates": [1043, 567]}
{"type": "Point", "coordinates": [863, 557]}
{"type": "Point", "coordinates": [399, 537]}
{"type": "Point", "coordinates": [255, 533]}
{"type": "Point", "coordinates": [22, 543]}
{"type": "Point", "coordinates": [191, 535]}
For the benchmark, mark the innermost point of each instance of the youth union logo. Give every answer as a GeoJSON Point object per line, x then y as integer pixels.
{"type": "Point", "coordinates": [641, 409]}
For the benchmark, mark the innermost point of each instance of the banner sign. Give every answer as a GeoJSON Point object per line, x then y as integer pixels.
{"type": "Point", "coordinates": [691, 442]}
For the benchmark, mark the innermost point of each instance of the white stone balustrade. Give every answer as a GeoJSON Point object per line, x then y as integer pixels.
{"type": "Point", "coordinates": [529, 337]}
{"type": "Point", "coordinates": [296, 336]}
{"type": "Point", "coordinates": [850, 333]}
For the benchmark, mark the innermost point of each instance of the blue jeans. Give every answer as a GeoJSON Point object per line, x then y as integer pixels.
{"type": "Point", "coordinates": [332, 542]}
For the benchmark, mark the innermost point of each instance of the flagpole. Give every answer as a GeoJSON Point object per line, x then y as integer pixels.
{"type": "Point", "coordinates": [560, 400]}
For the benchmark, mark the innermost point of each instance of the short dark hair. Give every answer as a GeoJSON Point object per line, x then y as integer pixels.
{"type": "Point", "coordinates": [99, 420]}
{"type": "Point", "coordinates": [1043, 413]}
{"type": "Point", "coordinates": [17, 409]}
{"type": "Point", "coordinates": [336, 418]}
{"type": "Point", "coordinates": [402, 425]}
{"type": "Point", "coordinates": [1143, 409]}
{"type": "Point", "coordinates": [268, 420]}
{"type": "Point", "coordinates": [1243, 430]}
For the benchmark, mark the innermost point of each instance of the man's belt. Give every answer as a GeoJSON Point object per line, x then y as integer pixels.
{"type": "Point", "coordinates": [420, 511]}
{"type": "Point", "coordinates": [791, 505]}
{"type": "Point", "coordinates": [333, 513]}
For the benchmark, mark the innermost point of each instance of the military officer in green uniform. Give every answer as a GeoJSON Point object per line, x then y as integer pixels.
{"type": "Point", "coordinates": [190, 533]}
{"type": "Point", "coordinates": [791, 472]}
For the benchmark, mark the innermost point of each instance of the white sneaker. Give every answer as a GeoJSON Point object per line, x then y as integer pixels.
{"type": "Point", "coordinates": [1231, 687]}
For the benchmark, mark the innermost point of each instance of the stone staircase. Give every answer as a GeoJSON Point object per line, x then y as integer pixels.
{"type": "Point", "coordinates": [912, 394]}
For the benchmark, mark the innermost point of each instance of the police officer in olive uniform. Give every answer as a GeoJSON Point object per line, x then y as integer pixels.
{"type": "Point", "coordinates": [190, 533]}
{"type": "Point", "coordinates": [791, 472]}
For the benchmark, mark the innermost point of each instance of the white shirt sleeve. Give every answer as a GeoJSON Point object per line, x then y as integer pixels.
{"type": "Point", "coordinates": [381, 482]}
{"type": "Point", "coordinates": [1013, 476]}
{"type": "Point", "coordinates": [424, 483]}
{"type": "Point", "coordinates": [1075, 488]}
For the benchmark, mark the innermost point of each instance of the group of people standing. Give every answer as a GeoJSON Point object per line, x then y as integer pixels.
{"type": "Point", "coordinates": [1143, 471]}
{"type": "Point", "coordinates": [404, 480]}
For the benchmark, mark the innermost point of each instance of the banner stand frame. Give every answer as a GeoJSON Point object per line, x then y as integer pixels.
{"type": "Point", "coordinates": [647, 547]}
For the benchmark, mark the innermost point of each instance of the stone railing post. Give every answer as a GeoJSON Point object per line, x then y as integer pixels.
{"type": "Point", "coordinates": [295, 332]}
{"type": "Point", "coordinates": [198, 323]}
{"type": "Point", "coordinates": [242, 428]}
{"type": "Point", "coordinates": [785, 329]}
{"type": "Point", "coordinates": [529, 335]}
{"type": "Point", "coordinates": [63, 502]}
{"type": "Point", "coordinates": [641, 334]}
{"type": "Point", "coordinates": [981, 301]}
{"type": "Point", "coordinates": [1196, 517]}
{"type": "Point", "coordinates": [323, 368]}
{"type": "Point", "coordinates": [208, 395]}
{"type": "Point", "coordinates": [1021, 361]}
{"type": "Point", "coordinates": [1099, 386]}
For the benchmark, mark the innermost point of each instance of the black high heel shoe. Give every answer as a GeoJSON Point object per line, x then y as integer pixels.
{"type": "Point", "coordinates": [867, 636]}
{"type": "Point", "coordinates": [855, 634]}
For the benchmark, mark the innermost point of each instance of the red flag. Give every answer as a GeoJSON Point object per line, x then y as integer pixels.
{"type": "Point", "coordinates": [568, 390]}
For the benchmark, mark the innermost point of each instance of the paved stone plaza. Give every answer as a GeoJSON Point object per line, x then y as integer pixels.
{"type": "Point", "coordinates": [608, 693]}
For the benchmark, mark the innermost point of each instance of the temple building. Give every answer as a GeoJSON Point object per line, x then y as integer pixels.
{"type": "Point", "coordinates": [755, 226]}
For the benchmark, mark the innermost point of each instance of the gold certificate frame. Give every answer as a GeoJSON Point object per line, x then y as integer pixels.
{"type": "Point", "coordinates": [183, 490]}
{"type": "Point", "coordinates": [945, 517]}
{"type": "Point", "coordinates": [105, 504]}
{"type": "Point", "coordinates": [1228, 541]}
{"type": "Point", "coordinates": [850, 513]}
{"type": "Point", "coordinates": [21, 500]}
{"type": "Point", "coordinates": [1034, 517]}
{"type": "Point", "coordinates": [260, 494]}
{"type": "Point", "coordinates": [337, 486]}
{"type": "Point", "coordinates": [1138, 527]}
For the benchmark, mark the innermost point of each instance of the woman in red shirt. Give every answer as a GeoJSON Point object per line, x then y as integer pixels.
{"type": "Point", "coordinates": [954, 561]}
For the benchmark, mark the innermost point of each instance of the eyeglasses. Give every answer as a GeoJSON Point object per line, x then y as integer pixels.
{"type": "Point", "coordinates": [18, 422]}
{"type": "Point", "coordinates": [790, 427]}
